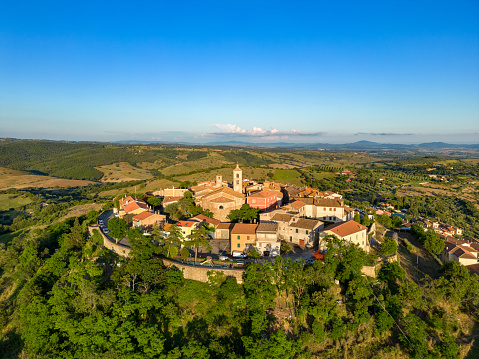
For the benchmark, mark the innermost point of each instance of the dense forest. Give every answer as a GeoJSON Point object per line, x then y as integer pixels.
{"type": "Point", "coordinates": [64, 295]}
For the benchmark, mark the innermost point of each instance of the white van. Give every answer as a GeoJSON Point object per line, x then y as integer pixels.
{"type": "Point", "coordinates": [239, 254]}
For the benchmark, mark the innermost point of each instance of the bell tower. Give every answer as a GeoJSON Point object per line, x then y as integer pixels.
{"type": "Point", "coordinates": [238, 179]}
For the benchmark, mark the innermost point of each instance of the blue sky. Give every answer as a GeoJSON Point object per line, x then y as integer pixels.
{"type": "Point", "coordinates": [256, 71]}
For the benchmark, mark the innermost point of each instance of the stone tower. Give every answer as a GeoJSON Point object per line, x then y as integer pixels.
{"type": "Point", "coordinates": [238, 179]}
{"type": "Point", "coordinates": [219, 181]}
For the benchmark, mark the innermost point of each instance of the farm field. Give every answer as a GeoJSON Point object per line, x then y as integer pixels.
{"type": "Point", "coordinates": [18, 179]}
{"type": "Point", "coordinates": [151, 185]}
{"type": "Point", "coordinates": [121, 172]}
{"type": "Point", "coordinates": [468, 193]}
{"type": "Point", "coordinates": [287, 177]}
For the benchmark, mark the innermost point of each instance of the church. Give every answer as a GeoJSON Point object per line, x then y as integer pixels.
{"type": "Point", "coordinates": [222, 199]}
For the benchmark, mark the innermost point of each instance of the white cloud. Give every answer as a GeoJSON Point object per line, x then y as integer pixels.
{"type": "Point", "coordinates": [234, 130]}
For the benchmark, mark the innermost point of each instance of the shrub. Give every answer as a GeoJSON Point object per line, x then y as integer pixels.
{"type": "Point", "coordinates": [184, 253]}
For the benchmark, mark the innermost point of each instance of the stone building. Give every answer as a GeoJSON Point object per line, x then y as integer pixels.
{"type": "Point", "coordinates": [238, 179]}
{"type": "Point", "coordinates": [267, 242]}
{"type": "Point", "coordinates": [221, 202]}
{"type": "Point", "coordinates": [243, 237]}
{"type": "Point", "coordinates": [350, 231]}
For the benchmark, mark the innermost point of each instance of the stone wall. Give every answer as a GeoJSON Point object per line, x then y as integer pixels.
{"type": "Point", "coordinates": [200, 273]}
{"type": "Point", "coordinates": [370, 271]}
{"type": "Point", "coordinates": [119, 249]}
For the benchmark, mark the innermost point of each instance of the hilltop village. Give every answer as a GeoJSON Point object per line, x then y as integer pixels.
{"type": "Point", "coordinates": [290, 214]}
{"type": "Point", "coordinates": [246, 217]}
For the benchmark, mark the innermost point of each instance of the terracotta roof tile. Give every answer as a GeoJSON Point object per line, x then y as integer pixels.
{"type": "Point", "coordinates": [143, 215]}
{"type": "Point", "coordinates": [306, 223]}
{"type": "Point", "coordinates": [225, 225]}
{"type": "Point", "coordinates": [221, 199]}
{"type": "Point", "coordinates": [187, 224]}
{"type": "Point", "coordinates": [297, 204]}
{"type": "Point", "coordinates": [281, 217]}
{"type": "Point", "coordinates": [343, 229]}
{"type": "Point", "coordinates": [267, 227]}
{"type": "Point", "coordinates": [244, 228]}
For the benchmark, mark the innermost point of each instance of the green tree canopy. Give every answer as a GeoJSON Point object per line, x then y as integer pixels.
{"type": "Point", "coordinates": [246, 214]}
{"type": "Point", "coordinates": [117, 227]}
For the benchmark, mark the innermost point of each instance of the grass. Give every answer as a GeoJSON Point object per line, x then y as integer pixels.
{"type": "Point", "coordinates": [18, 179]}
{"type": "Point", "coordinates": [8, 201]}
{"type": "Point", "coordinates": [7, 237]}
{"type": "Point", "coordinates": [121, 172]}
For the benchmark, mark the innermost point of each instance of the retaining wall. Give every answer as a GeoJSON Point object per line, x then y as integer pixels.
{"type": "Point", "coordinates": [200, 273]}
{"type": "Point", "coordinates": [122, 251]}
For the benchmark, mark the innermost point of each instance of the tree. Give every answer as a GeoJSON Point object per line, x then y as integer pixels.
{"type": "Point", "coordinates": [383, 322]}
{"type": "Point", "coordinates": [433, 243]}
{"type": "Point", "coordinates": [154, 201]}
{"type": "Point", "coordinates": [245, 213]}
{"type": "Point", "coordinates": [388, 247]}
{"type": "Point", "coordinates": [118, 228]}
{"type": "Point", "coordinates": [415, 336]}
{"type": "Point", "coordinates": [396, 221]}
{"type": "Point", "coordinates": [365, 221]}
{"type": "Point", "coordinates": [75, 239]}
{"type": "Point", "coordinates": [142, 247]}
{"type": "Point", "coordinates": [199, 238]}
{"type": "Point", "coordinates": [175, 237]}
{"type": "Point", "coordinates": [184, 253]}
{"type": "Point", "coordinates": [253, 254]}
{"type": "Point", "coordinates": [357, 217]}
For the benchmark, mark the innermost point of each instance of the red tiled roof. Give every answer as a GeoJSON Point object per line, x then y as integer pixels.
{"type": "Point", "coordinates": [221, 199]}
{"type": "Point", "coordinates": [244, 228]}
{"type": "Point", "coordinates": [171, 199]}
{"type": "Point", "coordinates": [473, 268]}
{"type": "Point", "coordinates": [133, 206]}
{"type": "Point", "coordinates": [460, 252]}
{"type": "Point", "coordinates": [225, 225]}
{"type": "Point", "coordinates": [202, 217]}
{"type": "Point", "coordinates": [281, 217]}
{"type": "Point", "coordinates": [226, 192]}
{"type": "Point", "coordinates": [306, 223]}
{"type": "Point", "coordinates": [343, 229]}
{"type": "Point", "coordinates": [143, 215]}
{"type": "Point", "coordinates": [186, 223]}
{"type": "Point", "coordinates": [297, 204]}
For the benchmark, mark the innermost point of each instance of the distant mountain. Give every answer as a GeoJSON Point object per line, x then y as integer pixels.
{"type": "Point", "coordinates": [443, 145]}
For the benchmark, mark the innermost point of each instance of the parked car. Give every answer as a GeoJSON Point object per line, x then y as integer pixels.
{"type": "Point", "coordinates": [224, 258]}
{"type": "Point", "coordinates": [240, 262]}
{"type": "Point", "coordinates": [239, 254]}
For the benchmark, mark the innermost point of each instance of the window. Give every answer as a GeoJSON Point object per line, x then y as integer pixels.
{"type": "Point", "coordinates": [334, 210]}
{"type": "Point", "coordinates": [247, 238]}
{"type": "Point", "coordinates": [237, 175]}
{"type": "Point", "coordinates": [238, 245]}
{"type": "Point", "coordinates": [220, 207]}
{"type": "Point", "coordinates": [330, 209]}
{"type": "Point", "coordinates": [239, 237]}
{"type": "Point", "coordinates": [296, 230]}
{"type": "Point", "coordinates": [307, 232]}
